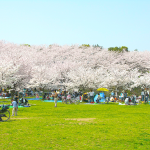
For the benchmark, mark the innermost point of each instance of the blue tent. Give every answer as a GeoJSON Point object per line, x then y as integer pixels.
{"type": "Point", "coordinates": [102, 95]}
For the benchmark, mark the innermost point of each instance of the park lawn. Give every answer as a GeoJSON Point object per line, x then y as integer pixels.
{"type": "Point", "coordinates": [69, 127]}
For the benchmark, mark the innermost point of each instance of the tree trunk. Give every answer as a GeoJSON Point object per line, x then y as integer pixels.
{"type": "Point", "coordinates": [12, 94]}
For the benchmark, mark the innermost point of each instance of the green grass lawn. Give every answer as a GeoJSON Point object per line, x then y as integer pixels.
{"type": "Point", "coordinates": [69, 127]}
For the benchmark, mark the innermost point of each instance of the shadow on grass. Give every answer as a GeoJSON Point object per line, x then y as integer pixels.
{"type": "Point", "coordinates": [10, 120]}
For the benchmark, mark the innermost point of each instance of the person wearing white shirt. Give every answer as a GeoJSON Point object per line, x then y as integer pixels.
{"type": "Point", "coordinates": [91, 95]}
{"type": "Point", "coordinates": [15, 106]}
{"type": "Point", "coordinates": [126, 101]}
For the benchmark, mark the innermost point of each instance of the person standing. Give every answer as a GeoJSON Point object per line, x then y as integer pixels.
{"type": "Point", "coordinates": [91, 95]}
{"type": "Point", "coordinates": [59, 92]}
{"type": "Point", "coordinates": [146, 98]}
{"type": "Point", "coordinates": [55, 98]}
{"type": "Point", "coordinates": [63, 96]}
{"type": "Point", "coordinates": [142, 94]}
{"type": "Point", "coordinates": [122, 96]}
{"type": "Point", "coordinates": [112, 94]}
{"type": "Point", "coordinates": [69, 98]}
{"type": "Point", "coordinates": [145, 91]}
{"type": "Point", "coordinates": [15, 107]}
{"type": "Point", "coordinates": [147, 94]}
{"type": "Point", "coordinates": [125, 95]}
{"type": "Point", "coordinates": [16, 98]}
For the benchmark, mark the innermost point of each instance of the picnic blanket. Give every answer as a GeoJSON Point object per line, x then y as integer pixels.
{"type": "Point", "coordinates": [34, 98]}
{"type": "Point", "coordinates": [4, 97]}
{"type": "Point", "coordinates": [121, 104]}
{"type": "Point", "coordinates": [20, 106]}
{"type": "Point", "coordinates": [52, 101]}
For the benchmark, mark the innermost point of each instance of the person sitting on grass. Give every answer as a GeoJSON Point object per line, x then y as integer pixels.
{"type": "Point", "coordinates": [115, 98]}
{"type": "Point", "coordinates": [98, 98]}
{"type": "Point", "coordinates": [146, 97]}
{"type": "Point", "coordinates": [127, 101]}
{"type": "Point", "coordinates": [23, 101]}
{"type": "Point", "coordinates": [48, 97]}
{"type": "Point", "coordinates": [112, 99]}
{"type": "Point", "coordinates": [133, 99]}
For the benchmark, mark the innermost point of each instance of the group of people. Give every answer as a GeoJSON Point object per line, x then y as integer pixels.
{"type": "Point", "coordinates": [64, 96]}
{"type": "Point", "coordinates": [5, 93]}
{"type": "Point", "coordinates": [144, 97]}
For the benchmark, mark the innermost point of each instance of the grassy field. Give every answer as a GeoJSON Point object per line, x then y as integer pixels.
{"type": "Point", "coordinates": [83, 126]}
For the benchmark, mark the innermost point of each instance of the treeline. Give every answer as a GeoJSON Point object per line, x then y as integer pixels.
{"type": "Point", "coordinates": [114, 49]}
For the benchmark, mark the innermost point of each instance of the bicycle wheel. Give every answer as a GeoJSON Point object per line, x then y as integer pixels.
{"type": "Point", "coordinates": [5, 115]}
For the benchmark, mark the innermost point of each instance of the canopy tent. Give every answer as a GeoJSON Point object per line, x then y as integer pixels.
{"type": "Point", "coordinates": [102, 95]}
{"type": "Point", "coordinates": [102, 89]}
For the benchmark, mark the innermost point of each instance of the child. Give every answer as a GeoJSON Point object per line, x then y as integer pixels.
{"type": "Point", "coordinates": [15, 107]}
{"type": "Point", "coordinates": [37, 95]}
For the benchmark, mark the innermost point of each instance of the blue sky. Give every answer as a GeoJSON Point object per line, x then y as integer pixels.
{"type": "Point", "coordinates": [108, 23]}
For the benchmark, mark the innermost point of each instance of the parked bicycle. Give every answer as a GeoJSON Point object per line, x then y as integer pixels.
{"type": "Point", "coordinates": [4, 113]}
{"type": "Point", "coordinates": [73, 100]}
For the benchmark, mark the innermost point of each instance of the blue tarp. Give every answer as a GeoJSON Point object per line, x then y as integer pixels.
{"type": "Point", "coordinates": [4, 97]}
{"type": "Point", "coordinates": [34, 98]}
{"type": "Point", "coordinates": [102, 95]}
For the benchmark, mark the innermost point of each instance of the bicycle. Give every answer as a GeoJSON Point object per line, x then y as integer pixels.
{"type": "Point", "coordinates": [75, 100]}
{"type": "Point", "coordinates": [4, 113]}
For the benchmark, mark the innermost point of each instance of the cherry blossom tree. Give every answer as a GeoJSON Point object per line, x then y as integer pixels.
{"type": "Point", "coordinates": [71, 67]}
